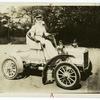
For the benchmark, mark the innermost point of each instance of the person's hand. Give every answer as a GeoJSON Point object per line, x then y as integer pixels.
{"type": "Point", "coordinates": [47, 34]}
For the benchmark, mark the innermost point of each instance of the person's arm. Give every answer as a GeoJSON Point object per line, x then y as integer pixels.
{"type": "Point", "coordinates": [31, 34]}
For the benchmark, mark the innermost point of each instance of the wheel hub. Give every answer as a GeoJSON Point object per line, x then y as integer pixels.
{"type": "Point", "coordinates": [66, 74]}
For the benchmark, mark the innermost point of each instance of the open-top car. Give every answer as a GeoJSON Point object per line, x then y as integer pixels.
{"type": "Point", "coordinates": [67, 69]}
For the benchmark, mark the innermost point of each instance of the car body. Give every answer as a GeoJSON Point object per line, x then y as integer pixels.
{"type": "Point", "coordinates": [20, 57]}
{"type": "Point", "coordinates": [81, 56]}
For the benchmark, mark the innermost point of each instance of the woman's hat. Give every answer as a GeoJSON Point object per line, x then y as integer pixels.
{"type": "Point", "coordinates": [39, 16]}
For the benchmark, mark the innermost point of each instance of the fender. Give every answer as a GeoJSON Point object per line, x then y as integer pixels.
{"type": "Point", "coordinates": [52, 64]}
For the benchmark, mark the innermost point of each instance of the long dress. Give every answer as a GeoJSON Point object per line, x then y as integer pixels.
{"type": "Point", "coordinates": [37, 32]}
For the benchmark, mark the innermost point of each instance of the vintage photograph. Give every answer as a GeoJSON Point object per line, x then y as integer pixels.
{"type": "Point", "coordinates": [49, 49]}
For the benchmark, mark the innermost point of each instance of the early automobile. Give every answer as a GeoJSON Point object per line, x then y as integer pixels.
{"type": "Point", "coordinates": [66, 69]}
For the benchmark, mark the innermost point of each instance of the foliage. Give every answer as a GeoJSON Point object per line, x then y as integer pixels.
{"type": "Point", "coordinates": [69, 22]}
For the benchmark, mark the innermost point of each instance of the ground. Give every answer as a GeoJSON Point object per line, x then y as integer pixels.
{"type": "Point", "coordinates": [32, 84]}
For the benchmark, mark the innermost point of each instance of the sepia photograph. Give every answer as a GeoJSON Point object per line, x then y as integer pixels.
{"type": "Point", "coordinates": [47, 50]}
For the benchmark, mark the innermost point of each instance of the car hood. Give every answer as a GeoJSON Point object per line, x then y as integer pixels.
{"type": "Point", "coordinates": [71, 49]}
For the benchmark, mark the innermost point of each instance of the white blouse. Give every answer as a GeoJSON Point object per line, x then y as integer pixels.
{"type": "Point", "coordinates": [38, 29]}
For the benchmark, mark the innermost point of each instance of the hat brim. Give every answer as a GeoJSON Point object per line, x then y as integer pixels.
{"type": "Point", "coordinates": [39, 16]}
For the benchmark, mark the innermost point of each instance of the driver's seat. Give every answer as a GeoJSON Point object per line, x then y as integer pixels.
{"type": "Point", "coordinates": [32, 44]}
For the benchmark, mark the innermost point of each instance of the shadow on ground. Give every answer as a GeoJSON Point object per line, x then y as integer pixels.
{"type": "Point", "coordinates": [28, 72]}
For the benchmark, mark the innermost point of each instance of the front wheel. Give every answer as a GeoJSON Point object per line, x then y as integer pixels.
{"type": "Point", "coordinates": [67, 76]}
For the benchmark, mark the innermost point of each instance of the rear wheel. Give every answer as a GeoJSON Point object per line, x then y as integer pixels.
{"type": "Point", "coordinates": [67, 76]}
{"type": "Point", "coordinates": [9, 69]}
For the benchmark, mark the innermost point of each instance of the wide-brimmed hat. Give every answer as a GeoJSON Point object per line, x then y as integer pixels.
{"type": "Point", "coordinates": [39, 16]}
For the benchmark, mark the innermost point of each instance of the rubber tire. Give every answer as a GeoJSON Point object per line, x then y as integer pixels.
{"type": "Point", "coordinates": [10, 78]}
{"type": "Point", "coordinates": [77, 73]}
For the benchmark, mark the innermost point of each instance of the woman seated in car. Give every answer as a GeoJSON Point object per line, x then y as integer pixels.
{"type": "Point", "coordinates": [38, 34]}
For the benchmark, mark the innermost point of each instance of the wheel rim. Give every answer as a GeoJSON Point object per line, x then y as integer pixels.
{"type": "Point", "coordinates": [66, 76]}
{"type": "Point", "coordinates": [9, 68]}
